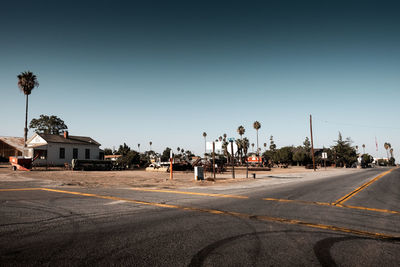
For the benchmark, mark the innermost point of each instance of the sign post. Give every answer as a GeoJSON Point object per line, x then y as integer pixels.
{"type": "Point", "coordinates": [324, 156]}
{"type": "Point", "coordinates": [171, 175]}
{"type": "Point", "coordinates": [232, 158]}
{"type": "Point", "coordinates": [213, 157]}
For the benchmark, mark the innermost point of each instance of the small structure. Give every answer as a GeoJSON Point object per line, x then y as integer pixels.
{"type": "Point", "coordinates": [10, 147]}
{"type": "Point", "coordinates": [59, 150]}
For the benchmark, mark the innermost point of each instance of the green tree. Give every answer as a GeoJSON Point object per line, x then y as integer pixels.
{"type": "Point", "coordinates": [27, 81]}
{"type": "Point", "coordinates": [245, 146]}
{"type": "Point", "coordinates": [307, 145]}
{"type": "Point", "coordinates": [366, 159]}
{"type": "Point", "coordinates": [270, 155]}
{"type": "Point", "coordinates": [284, 155]}
{"type": "Point", "coordinates": [272, 145]}
{"type": "Point", "coordinates": [166, 154]}
{"type": "Point", "coordinates": [48, 124]}
{"type": "Point", "coordinates": [300, 155]}
{"type": "Point", "coordinates": [123, 150]}
{"type": "Point", "coordinates": [344, 154]}
{"type": "Point", "coordinates": [239, 144]}
{"type": "Point", "coordinates": [108, 151]}
{"type": "Point", "coordinates": [130, 159]}
{"type": "Point", "coordinates": [241, 130]}
{"type": "Point", "coordinates": [257, 126]}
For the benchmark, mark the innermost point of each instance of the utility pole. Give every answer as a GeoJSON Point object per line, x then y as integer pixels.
{"type": "Point", "coordinates": [213, 155]}
{"type": "Point", "coordinates": [312, 143]}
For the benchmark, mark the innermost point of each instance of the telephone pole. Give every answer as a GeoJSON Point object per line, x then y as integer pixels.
{"type": "Point", "coordinates": [312, 143]}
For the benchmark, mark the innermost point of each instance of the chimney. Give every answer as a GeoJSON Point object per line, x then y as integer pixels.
{"type": "Point", "coordinates": [66, 134]}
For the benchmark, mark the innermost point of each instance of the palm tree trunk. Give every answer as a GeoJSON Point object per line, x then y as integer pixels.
{"type": "Point", "coordinates": [205, 147]}
{"type": "Point", "coordinates": [257, 142]}
{"type": "Point", "coordinates": [26, 122]}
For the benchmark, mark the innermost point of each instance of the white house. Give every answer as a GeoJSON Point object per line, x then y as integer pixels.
{"type": "Point", "coordinates": [53, 149]}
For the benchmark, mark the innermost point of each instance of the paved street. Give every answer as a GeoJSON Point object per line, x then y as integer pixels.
{"type": "Point", "coordinates": [347, 220]}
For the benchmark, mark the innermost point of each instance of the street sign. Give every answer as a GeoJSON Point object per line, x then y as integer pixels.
{"type": "Point", "coordinates": [324, 155]}
{"type": "Point", "coordinates": [231, 139]}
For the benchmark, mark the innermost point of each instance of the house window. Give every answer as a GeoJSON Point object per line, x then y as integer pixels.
{"type": "Point", "coordinates": [75, 153]}
{"type": "Point", "coordinates": [87, 153]}
{"type": "Point", "coordinates": [43, 154]}
{"type": "Point", "coordinates": [62, 153]}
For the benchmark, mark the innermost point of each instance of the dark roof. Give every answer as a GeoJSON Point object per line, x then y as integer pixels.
{"type": "Point", "coordinates": [54, 138]}
{"type": "Point", "coordinates": [16, 142]}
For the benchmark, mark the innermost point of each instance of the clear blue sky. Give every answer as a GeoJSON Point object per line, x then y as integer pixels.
{"type": "Point", "coordinates": [165, 71]}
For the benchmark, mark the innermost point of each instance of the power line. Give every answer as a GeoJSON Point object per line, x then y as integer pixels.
{"type": "Point", "coordinates": [357, 125]}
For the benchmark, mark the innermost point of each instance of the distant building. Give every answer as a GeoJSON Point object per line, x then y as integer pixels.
{"type": "Point", "coordinates": [52, 149]}
{"type": "Point", "coordinates": [10, 146]}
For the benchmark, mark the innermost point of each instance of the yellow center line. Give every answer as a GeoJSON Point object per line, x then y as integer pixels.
{"type": "Point", "coordinates": [19, 189]}
{"type": "Point", "coordinates": [189, 193]}
{"type": "Point", "coordinates": [357, 190]}
{"type": "Point", "coordinates": [365, 208]}
{"type": "Point", "coordinates": [298, 201]}
{"type": "Point", "coordinates": [237, 214]}
{"type": "Point", "coordinates": [330, 204]}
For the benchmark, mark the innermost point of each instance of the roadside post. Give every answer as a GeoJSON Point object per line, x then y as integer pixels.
{"type": "Point", "coordinates": [324, 156]}
{"type": "Point", "coordinates": [171, 175]}
{"type": "Point", "coordinates": [213, 157]}
{"type": "Point", "coordinates": [247, 167]}
{"type": "Point", "coordinates": [232, 158]}
{"type": "Point", "coordinates": [312, 143]}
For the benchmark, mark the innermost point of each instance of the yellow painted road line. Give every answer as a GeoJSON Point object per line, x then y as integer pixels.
{"type": "Point", "coordinates": [188, 193]}
{"type": "Point", "coordinates": [237, 214]}
{"type": "Point", "coordinates": [19, 189]}
{"type": "Point", "coordinates": [244, 197]}
{"type": "Point", "coordinates": [330, 204]}
{"type": "Point", "coordinates": [370, 209]}
{"type": "Point", "coordinates": [298, 201]}
{"type": "Point", "coordinates": [353, 193]}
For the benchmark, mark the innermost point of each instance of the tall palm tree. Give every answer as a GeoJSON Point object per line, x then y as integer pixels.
{"type": "Point", "coordinates": [363, 148]}
{"type": "Point", "coordinates": [387, 147]}
{"type": "Point", "coordinates": [241, 130]}
{"type": "Point", "coordinates": [245, 145]}
{"type": "Point", "coordinates": [391, 153]}
{"type": "Point", "coordinates": [26, 82]}
{"type": "Point", "coordinates": [265, 146]}
{"type": "Point", "coordinates": [257, 126]}
{"type": "Point", "coordinates": [239, 144]}
{"type": "Point", "coordinates": [138, 146]}
{"type": "Point", "coordinates": [252, 147]}
{"type": "Point", "coordinates": [224, 135]}
{"type": "Point", "coordinates": [205, 142]}
{"type": "Point", "coordinates": [150, 145]}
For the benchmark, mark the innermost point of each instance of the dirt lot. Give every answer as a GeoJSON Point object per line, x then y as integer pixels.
{"type": "Point", "coordinates": [141, 178]}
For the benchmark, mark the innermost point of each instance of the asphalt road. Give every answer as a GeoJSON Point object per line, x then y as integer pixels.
{"type": "Point", "coordinates": [300, 223]}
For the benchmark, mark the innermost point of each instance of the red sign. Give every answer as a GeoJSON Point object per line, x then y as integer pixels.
{"type": "Point", "coordinates": [254, 159]}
